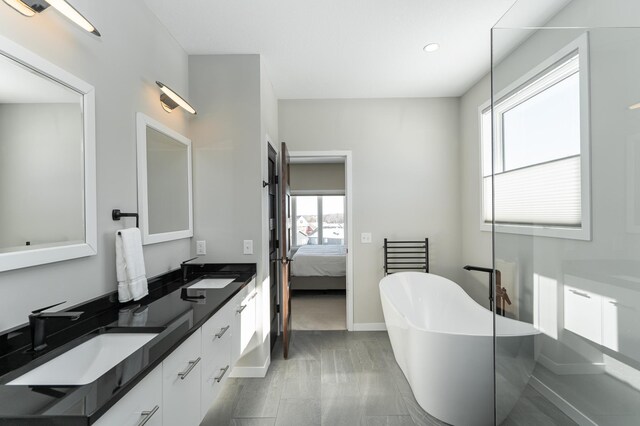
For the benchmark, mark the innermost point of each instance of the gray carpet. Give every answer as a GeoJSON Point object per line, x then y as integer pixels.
{"type": "Point", "coordinates": [312, 310]}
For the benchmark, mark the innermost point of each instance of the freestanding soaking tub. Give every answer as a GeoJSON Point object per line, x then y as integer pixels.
{"type": "Point", "coordinates": [443, 341]}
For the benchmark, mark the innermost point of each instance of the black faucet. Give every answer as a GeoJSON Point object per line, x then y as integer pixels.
{"type": "Point", "coordinates": [490, 272]}
{"type": "Point", "coordinates": [37, 321]}
{"type": "Point", "coordinates": [185, 268]}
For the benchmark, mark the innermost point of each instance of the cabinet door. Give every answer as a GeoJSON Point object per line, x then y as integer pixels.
{"type": "Point", "coordinates": [248, 320]}
{"type": "Point", "coordinates": [216, 355]}
{"type": "Point", "coordinates": [143, 402]}
{"type": "Point", "coordinates": [244, 326]}
{"type": "Point", "coordinates": [583, 313]}
{"type": "Point", "coordinates": [620, 319]}
{"type": "Point", "coordinates": [181, 383]}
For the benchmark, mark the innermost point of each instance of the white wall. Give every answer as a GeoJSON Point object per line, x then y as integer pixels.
{"type": "Point", "coordinates": [123, 65]}
{"type": "Point", "coordinates": [226, 155]}
{"type": "Point", "coordinates": [237, 115]}
{"type": "Point", "coordinates": [405, 177]}
{"type": "Point", "coordinates": [476, 245]}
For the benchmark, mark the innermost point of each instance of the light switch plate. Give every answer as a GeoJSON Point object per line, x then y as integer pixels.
{"type": "Point", "coordinates": [201, 247]}
{"type": "Point", "coordinates": [365, 238]}
{"type": "Point", "coordinates": [248, 247]}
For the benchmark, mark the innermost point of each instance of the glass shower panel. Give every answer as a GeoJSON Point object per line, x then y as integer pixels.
{"type": "Point", "coordinates": [576, 276]}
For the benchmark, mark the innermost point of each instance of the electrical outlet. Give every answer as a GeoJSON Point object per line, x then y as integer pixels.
{"type": "Point", "coordinates": [365, 238]}
{"type": "Point", "coordinates": [248, 247]}
{"type": "Point", "coordinates": [201, 247]}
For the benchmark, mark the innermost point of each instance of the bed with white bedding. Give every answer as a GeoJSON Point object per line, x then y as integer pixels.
{"type": "Point", "coordinates": [319, 267]}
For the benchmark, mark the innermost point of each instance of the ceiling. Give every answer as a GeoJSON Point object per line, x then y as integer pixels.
{"type": "Point", "coordinates": [345, 48]}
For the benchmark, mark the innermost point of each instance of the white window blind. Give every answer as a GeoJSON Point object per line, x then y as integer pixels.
{"type": "Point", "coordinates": [546, 194]}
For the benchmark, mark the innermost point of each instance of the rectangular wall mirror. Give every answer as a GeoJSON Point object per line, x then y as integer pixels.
{"type": "Point", "coordinates": [164, 182]}
{"type": "Point", "coordinates": [47, 161]}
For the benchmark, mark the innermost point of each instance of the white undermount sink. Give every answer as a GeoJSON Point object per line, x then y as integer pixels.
{"type": "Point", "coordinates": [86, 362]}
{"type": "Point", "coordinates": [211, 283]}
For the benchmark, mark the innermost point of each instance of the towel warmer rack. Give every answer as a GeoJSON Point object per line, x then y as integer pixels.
{"type": "Point", "coordinates": [406, 256]}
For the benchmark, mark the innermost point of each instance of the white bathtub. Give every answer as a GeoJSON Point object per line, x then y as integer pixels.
{"type": "Point", "coordinates": [443, 341]}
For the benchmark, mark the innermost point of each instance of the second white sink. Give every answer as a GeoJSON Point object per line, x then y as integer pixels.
{"type": "Point", "coordinates": [211, 283]}
{"type": "Point", "coordinates": [86, 362]}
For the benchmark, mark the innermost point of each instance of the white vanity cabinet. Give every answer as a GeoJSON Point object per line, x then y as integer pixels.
{"type": "Point", "coordinates": [181, 383]}
{"type": "Point", "coordinates": [141, 405]}
{"type": "Point", "coordinates": [244, 325]}
{"type": "Point", "coordinates": [181, 390]}
{"type": "Point", "coordinates": [216, 355]}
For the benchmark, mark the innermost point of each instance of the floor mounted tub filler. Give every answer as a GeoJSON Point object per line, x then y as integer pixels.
{"type": "Point", "coordinates": [443, 341]}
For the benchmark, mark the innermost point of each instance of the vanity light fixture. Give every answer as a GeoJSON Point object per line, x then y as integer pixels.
{"type": "Point", "coordinates": [30, 7]}
{"type": "Point", "coordinates": [170, 99]}
{"type": "Point", "coordinates": [431, 47]}
{"type": "Point", "coordinates": [635, 106]}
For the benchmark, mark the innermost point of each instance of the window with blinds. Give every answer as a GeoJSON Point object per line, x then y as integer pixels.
{"type": "Point", "coordinates": [540, 152]}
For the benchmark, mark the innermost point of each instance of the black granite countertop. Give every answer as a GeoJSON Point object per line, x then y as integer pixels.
{"type": "Point", "coordinates": [170, 309]}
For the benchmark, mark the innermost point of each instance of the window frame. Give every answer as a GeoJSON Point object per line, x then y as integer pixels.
{"type": "Point", "coordinates": [318, 194]}
{"type": "Point", "coordinates": [509, 96]}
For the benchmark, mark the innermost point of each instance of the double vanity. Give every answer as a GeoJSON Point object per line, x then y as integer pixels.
{"type": "Point", "coordinates": [161, 360]}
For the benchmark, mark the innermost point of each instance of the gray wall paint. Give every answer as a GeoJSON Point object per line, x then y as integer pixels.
{"type": "Point", "coordinates": [476, 244]}
{"type": "Point", "coordinates": [237, 115]}
{"type": "Point", "coordinates": [227, 155]}
{"type": "Point", "coordinates": [405, 177]}
{"type": "Point", "coordinates": [122, 65]}
{"type": "Point", "coordinates": [317, 177]}
{"type": "Point", "coordinates": [41, 174]}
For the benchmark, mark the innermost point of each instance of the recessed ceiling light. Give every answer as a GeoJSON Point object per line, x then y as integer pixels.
{"type": "Point", "coordinates": [431, 47]}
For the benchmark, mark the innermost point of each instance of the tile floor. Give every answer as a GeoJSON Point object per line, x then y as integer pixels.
{"type": "Point", "coordinates": [335, 378]}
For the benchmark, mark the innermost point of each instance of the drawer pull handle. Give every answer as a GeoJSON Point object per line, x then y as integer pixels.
{"type": "Point", "coordinates": [579, 293]}
{"type": "Point", "coordinates": [147, 415]}
{"type": "Point", "coordinates": [223, 372]}
{"type": "Point", "coordinates": [241, 308]}
{"type": "Point", "coordinates": [620, 305]}
{"type": "Point", "coordinates": [222, 331]}
{"type": "Point", "coordinates": [192, 364]}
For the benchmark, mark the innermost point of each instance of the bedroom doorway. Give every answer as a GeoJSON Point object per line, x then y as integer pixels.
{"type": "Point", "coordinates": [321, 279]}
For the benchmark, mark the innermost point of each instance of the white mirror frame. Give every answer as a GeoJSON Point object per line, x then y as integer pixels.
{"type": "Point", "coordinates": [143, 121]}
{"type": "Point", "coordinates": [39, 256]}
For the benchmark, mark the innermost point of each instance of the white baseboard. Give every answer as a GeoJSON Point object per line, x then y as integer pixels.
{"type": "Point", "coordinates": [571, 368]}
{"type": "Point", "coordinates": [251, 371]}
{"type": "Point", "coordinates": [369, 326]}
{"type": "Point", "coordinates": [572, 412]}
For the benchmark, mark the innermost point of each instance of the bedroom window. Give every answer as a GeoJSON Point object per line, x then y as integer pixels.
{"type": "Point", "coordinates": [540, 151]}
{"type": "Point", "coordinates": [319, 219]}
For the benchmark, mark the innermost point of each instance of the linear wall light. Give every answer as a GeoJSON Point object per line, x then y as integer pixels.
{"type": "Point", "coordinates": [635, 106]}
{"type": "Point", "coordinates": [170, 99]}
{"type": "Point", "coordinates": [30, 7]}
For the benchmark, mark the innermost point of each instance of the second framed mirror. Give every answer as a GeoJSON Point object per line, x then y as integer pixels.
{"type": "Point", "coordinates": [165, 202]}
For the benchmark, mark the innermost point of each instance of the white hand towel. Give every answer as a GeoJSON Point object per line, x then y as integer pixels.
{"type": "Point", "coordinates": [130, 271]}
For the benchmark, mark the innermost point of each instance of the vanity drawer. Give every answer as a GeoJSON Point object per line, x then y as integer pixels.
{"type": "Point", "coordinates": [216, 355]}
{"type": "Point", "coordinates": [143, 402]}
{"type": "Point", "coordinates": [244, 324]}
{"type": "Point", "coordinates": [181, 373]}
